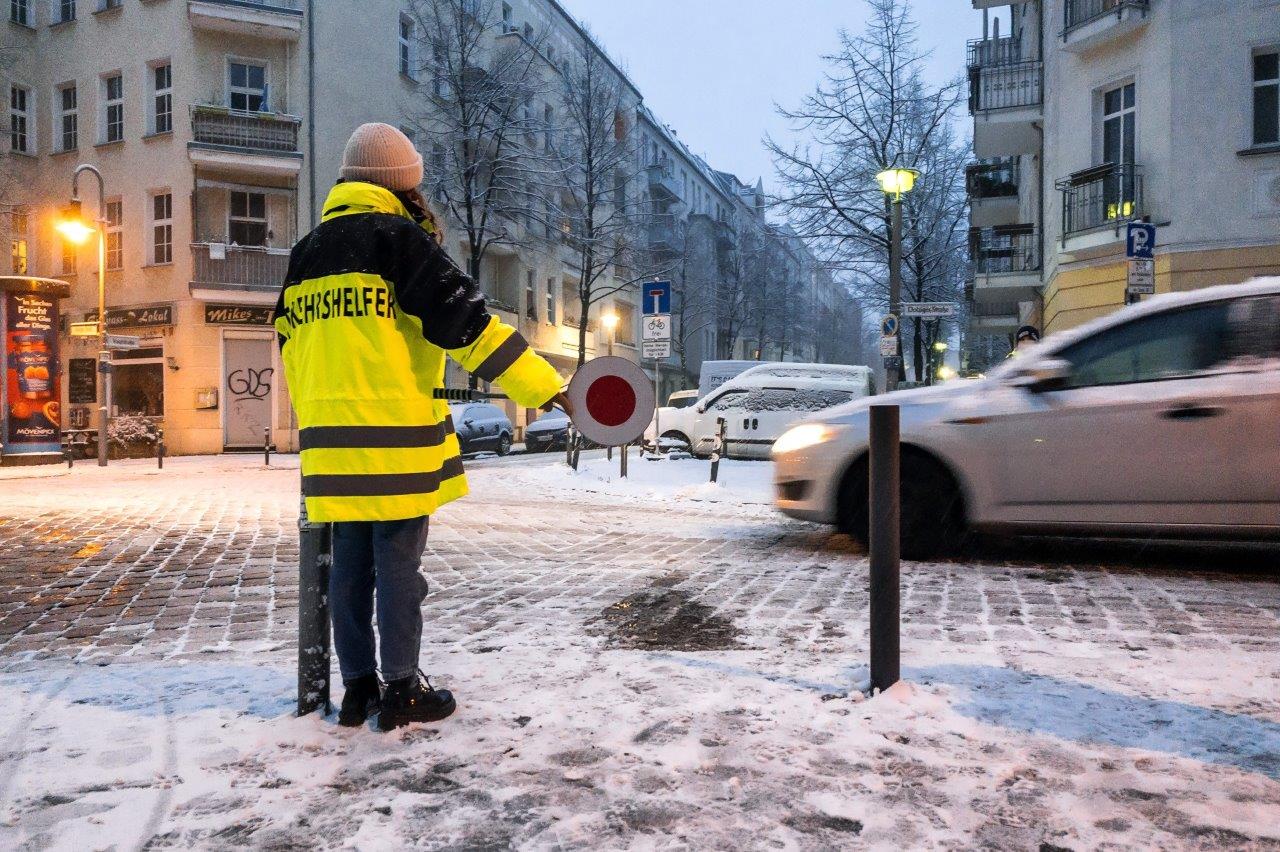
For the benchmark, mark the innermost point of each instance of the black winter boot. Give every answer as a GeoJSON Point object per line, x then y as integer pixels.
{"type": "Point", "coordinates": [362, 698]}
{"type": "Point", "coordinates": [412, 699]}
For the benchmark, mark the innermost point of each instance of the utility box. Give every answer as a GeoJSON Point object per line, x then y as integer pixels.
{"type": "Point", "coordinates": [206, 398]}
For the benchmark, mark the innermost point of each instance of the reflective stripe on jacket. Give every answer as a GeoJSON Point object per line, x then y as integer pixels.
{"type": "Point", "coordinates": [370, 307]}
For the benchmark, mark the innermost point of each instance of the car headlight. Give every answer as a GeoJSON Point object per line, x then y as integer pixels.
{"type": "Point", "coordinates": [803, 436]}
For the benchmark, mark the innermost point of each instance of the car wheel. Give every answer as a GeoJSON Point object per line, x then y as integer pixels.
{"type": "Point", "coordinates": [932, 520]}
{"type": "Point", "coordinates": [504, 444]}
{"type": "Point", "coordinates": [677, 436]}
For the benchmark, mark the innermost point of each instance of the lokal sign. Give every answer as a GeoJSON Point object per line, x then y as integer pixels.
{"type": "Point", "coordinates": [144, 316]}
{"type": "Point", "coordinates": [613, 401]}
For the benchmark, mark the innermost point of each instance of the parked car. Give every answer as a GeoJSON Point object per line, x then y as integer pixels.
{"type": "Point", "coordinates": [549, 432]}
{"type": "Point", "coordinates": [482, 426]}
{"type": "Point", "coordinates": [1162, 419]}
{"type": "Point", "coordinates": [672, 416]}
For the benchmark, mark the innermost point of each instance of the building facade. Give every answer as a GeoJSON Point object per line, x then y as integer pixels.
{"type": "Point", "coordinates": [218, 127]}
{"type": "Point", "coordinates": [1089, 114]}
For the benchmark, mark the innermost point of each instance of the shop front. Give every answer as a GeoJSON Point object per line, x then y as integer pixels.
{"type": "Point", "coordinates": [249, 370]}
{"type": "Point", "coordinates": [30, 396]}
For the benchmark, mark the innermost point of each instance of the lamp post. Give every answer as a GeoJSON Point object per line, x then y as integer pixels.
{"type": "Point", "coordinates": [940, 359]}
{"type": "Point", "coordinates": [74, 228]}
{"type": "Point", "coordinates": [610, 320]}
{"type": "Point", "coordinates": [896, 183]}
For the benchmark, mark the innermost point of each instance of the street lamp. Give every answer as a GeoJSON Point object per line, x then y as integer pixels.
{"type": "Point", "coordinates": [610, 320]}
{"type": "Point", "coordinates": [75, 229]}
{"type": "Point", "coordinates": [896, 183]}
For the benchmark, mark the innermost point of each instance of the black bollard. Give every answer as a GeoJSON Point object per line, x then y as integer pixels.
{"type": "Point", "coordinates": [160, 449]}
{"type": "Point", "coordinates": [623, 463]}
{"type": "Point", "coordinates": [721, 429]}
{"type": "Point", "coordinates": [313, 615]}
{"type": "Point", "coordinates": [266, 446]}
{"type": "Point", "coordinates": [885, 547]}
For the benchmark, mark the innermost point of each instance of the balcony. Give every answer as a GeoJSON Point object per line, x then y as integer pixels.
{"type": "Point", "coordinates": [1106, 196]}
{"type": "Point", "coordinates": [993, 192]}
{"type": "Point", "coordinates": [254, 141]}
{"type": "Point", "coordinates": [664, 236]}
{"type": "Point", "coordinates": [1006, 263]}
{"type": "Point", "coordinates": [662, 182]}
{"type": "Point", "coordinates": [1005, 50]}
{"type": "Point", "coordinates": [254, 274]}
{"type": "Point", "coordinates": [1006, 102]}
{"type": "Point", "coordinates": [993, 319]}
{"type": "Point", "coordinates": [279, 20]}
{"type": "Point", "coordinates": [1090, 23]}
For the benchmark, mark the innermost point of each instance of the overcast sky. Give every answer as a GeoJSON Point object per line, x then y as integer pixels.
{"type": "Point", "coordinates": [713, 69]}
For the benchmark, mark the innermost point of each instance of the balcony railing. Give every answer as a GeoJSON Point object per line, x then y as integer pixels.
{"type": "Point", "coordinates": [664, 235]}
{"type": "Point", "coordinates": [252, 131]}
{"type": "Point", "coordinates": [1012, 86]}
{"type": "Point", "coordinates": [1004, 251]}
{"type": "Point", "coordinates": [985, 310]}
{"type": "Point", "coordinates": [996, 178]}
{"type": "Point", "coordinates": [576, 322]}
{"type": "Point", "coordinates": [251, 267]}
{"type": "Point", "coordinates": [662, 177]}
{"type": "Point", "coordinates": [1102, 196]}
{"type": "Point", "coordinates": [985, 52]}
{"type": "Point", "coordinates": [290, 6]}
{"type": "Point", "coordinates": [1077, 13]}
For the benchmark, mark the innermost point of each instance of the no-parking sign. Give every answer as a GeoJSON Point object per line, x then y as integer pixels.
{"type": "Point", "coordinates": [613, 401]}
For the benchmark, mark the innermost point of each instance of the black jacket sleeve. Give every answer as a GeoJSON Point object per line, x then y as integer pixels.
{"type": "Point", "coordinates": [429, 286]}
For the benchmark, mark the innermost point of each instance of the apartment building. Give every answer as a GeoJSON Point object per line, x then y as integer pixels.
{"type": "Point", "coordinates": [1089, 114]}
{"type": "Point", "coordinates": [218, 126]}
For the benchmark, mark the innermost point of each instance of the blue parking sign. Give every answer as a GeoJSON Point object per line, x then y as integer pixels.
{"type": "Point", "coordinates": [1141, 244]}
{"type": "Point", "coordinates": [656, 297]}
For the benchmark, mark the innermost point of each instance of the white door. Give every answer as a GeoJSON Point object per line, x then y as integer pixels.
{"type": "Point", "coordinates": [1145, 431]}
{"type": "Point", "coordinates": [248, 378]}
{"type": "Point", "coordinates": [726, 404]}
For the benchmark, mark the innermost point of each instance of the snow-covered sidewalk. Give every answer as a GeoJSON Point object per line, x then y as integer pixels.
{"type": "Point", "coordinates": [649, 664]}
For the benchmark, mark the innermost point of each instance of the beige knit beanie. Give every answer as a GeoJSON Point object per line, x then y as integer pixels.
{"type": "Point", "coordinates": [381, 154]}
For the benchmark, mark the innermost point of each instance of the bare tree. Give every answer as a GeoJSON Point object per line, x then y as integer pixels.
{"type": "Point", "coordinates": [597, 166]}
{"type": "Point", "coordinates": [872, 111]}
{"type": "Point", "coordinates": [485, 167]}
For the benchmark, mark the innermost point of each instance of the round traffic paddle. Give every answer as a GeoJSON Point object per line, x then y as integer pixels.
{"type": "Point", "coordinates": [613, 401]}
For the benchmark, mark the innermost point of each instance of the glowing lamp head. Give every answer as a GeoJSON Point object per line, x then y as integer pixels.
{"type": "Point", "coordinates": [610, 320]}
{"type": "Point", "coordinates": [72, 225]}
{"type": "Point", "coordinates": [897, 182]}
{"type": "Point", "coordinates": [939, 347]}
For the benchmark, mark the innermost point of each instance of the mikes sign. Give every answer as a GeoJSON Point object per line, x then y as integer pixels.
{"type": "Point", "coordinates": [237, 315]}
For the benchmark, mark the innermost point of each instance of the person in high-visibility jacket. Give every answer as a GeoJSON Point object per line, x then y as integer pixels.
{"type": "Point", "coordinates": [370, 307]}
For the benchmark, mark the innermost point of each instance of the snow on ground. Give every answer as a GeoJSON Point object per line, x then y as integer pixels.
{"type": "Point", "coordinates": [650, 482]}
{"type": "Point", "coordinates": [645, 664]}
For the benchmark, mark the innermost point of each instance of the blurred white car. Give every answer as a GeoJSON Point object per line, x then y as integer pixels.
{"type": "Point", "coordinates": [1162, 419]}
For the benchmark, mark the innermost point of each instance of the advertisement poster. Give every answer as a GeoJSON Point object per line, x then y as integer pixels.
{"type": "Point", "coordinates": [31, 374]}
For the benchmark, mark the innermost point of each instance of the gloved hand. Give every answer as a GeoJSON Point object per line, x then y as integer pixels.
{"type": "Point", "coordinates": [562, 402]}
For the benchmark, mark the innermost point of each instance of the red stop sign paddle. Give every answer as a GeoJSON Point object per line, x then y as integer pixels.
{"type": "Point", "coordinates": [613, 401]}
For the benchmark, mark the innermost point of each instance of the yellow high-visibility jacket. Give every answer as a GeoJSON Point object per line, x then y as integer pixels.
{"type": "Point", "coordinates": [370, 307]}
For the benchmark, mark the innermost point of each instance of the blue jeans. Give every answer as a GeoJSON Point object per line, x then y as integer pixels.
{"type": "Point", "coordinates": [381, 556]}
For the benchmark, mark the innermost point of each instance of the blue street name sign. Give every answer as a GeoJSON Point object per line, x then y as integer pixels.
{"type": "Point", "coordinates": [657, 297]}
{"type": "Point", "coordinates": [1141, 244]}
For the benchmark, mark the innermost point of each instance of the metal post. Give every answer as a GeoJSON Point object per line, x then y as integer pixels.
{"type": "Point", "coordinates": [721, 425]}
{"type": "Point", "coordinates": [313, 615]}
{"type": "Point", "coordinates": [892, 377]}
{"type": "Point", "coordinates": [624, 460]}
{"type": "Point", "coordinates": [657, 407]}
{"type": "Point", "coordinates": [884, 547]}
{"type": "Point", "coordinates": [608, 452]}
{"type": "Point", "coordinates": [160, 449]}
{"type": "Point", "coordinates": [266, 446]}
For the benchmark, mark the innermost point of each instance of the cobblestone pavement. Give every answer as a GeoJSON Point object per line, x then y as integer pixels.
{"type": "Point", "coordinates": [198, 563]}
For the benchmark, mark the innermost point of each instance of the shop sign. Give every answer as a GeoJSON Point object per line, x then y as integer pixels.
{"type": "Point", "coordinates": [237, 315]}
{"type": "Point", "coordinates": [145, 316]}
{"type": "Point", "coordinates": [32, 415]}
{"type": "Point", "coordinates": [82, 378]}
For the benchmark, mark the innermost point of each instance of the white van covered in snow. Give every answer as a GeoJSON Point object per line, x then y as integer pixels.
{"type": "Point", "coordinates": [761, 403]}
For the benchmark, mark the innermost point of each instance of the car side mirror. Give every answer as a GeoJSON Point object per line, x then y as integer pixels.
{"type": "Point", "coordinates": [1042, 376]}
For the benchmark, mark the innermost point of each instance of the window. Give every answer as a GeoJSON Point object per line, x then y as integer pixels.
{"type": "Point", "coordinates": [620, 189]}
{"type": "Point", "coordinates": [113, 108]}
{"type": "Point", "coordinates": [528, 32]}
{"type": "Point", "coordinates": [66, 11]}
{"type": "Point", "coordinates": [439, 71]}
{"type": "Point", "coordinates": [530, 296]}
{"type": "Point", "coordinates": [104, 5]}
{"type": "Point", "coordinates": [162, 98]}
{"type": "Point", "coordinates": [1119, 113]}
{"type": "Point", "coordinates": [247, 223]}
{"type": "Point", "coordinates": [1266, 98]}
{"type": "Point", "coordinates": [626, 330]}
{"type": "Point", "coordinates": [1165, 346]}
{"type": "Point", "coordinates": [728, 400]}
{"type": "Point", "coordinates": [20, 12]}
{"type": "Point", "coordinates": [18, 241]}
{"type": "Point", "coordinates": [247, 86]}
{"type": "Point", "coordinates": [549, 128]}
{"type": "Point", "coordinates": [20, 120]}
{"type": "Point", "coordinates": [507, 25]}
{"type": "Point", "coordinates": [68, 118]}
{"type": "Point", "coordinates": [162, 228]}
{"type": "Point", "coordinates": [551, 301]}
{"type": "Point", "coordinates": [406, 46]}
{"type": "Point", "coordinates": [114, 234]}
{"type": "Point", "coordinates": [68, 257]}
{"type": "Point", "coordinates": [137, 382]}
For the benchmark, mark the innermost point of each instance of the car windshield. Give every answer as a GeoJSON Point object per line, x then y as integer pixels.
{"type": "Point", "coordinates": [553, 416]}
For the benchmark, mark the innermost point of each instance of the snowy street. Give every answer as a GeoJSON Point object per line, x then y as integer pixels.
{"type": "Point", "coordinates": [659, 663]}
